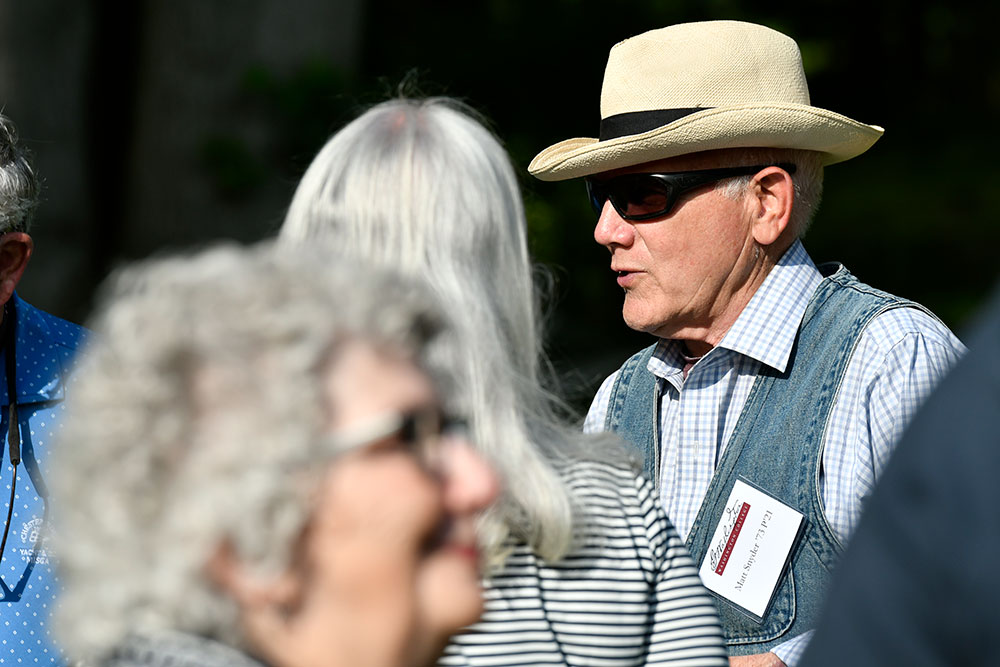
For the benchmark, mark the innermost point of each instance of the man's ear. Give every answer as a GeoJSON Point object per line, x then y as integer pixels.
{"type": "Point", "coordinates": [15, 251]}
{"type": "Point", "coordinates": [775, 195]}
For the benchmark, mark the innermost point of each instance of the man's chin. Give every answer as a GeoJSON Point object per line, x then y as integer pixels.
{"type": "Point", "coordinates": [641, 321]}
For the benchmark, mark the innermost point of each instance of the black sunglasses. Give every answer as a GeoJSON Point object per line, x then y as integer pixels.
{"type": "Point", "coordinates": [643, 196]}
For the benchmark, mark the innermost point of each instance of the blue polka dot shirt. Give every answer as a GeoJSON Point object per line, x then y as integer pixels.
{"type": "Point", "coordinates": [45, 347]}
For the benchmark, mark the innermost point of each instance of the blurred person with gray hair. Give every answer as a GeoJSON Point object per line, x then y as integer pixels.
{"type": "Point", "coordinates": [585, 565]}
{"type": "Point", "coordinates": [258, 467]}
{"type": "Point", "coordinates": [38, 349]}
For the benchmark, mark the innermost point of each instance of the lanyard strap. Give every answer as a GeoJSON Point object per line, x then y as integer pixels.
{"type": "Point", "coordinates": [9, 335]}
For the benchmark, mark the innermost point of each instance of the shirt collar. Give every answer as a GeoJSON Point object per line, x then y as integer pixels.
{"type": "Point", "coordinates": [767, 327]}
{"type": "Point", "coordinates": [35, 340]}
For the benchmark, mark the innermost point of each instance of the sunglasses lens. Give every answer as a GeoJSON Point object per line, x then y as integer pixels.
{"type": "Point", "coordinates": [639, 196]}
{"type": "Point", "coordinates": [596, 194]}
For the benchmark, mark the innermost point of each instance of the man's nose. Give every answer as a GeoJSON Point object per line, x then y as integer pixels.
{"type": "Point", "coordinates": [611, 230]}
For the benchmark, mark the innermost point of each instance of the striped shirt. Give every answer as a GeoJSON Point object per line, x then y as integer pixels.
{"type": "Point", "coordinates": [627, 594]}
{"type": "Point", "coordinates": [899, 357]}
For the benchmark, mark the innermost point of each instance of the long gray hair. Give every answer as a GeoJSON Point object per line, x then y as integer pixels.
{"type": "Point", "coordinates": [189, 415]}
{"type": "Point", "coordinates": [424, 187]}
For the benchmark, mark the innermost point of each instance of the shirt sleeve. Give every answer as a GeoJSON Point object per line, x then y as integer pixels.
{"type": "Point", "coordinates": [686, 628]}
{"type": "Point", "coordinates": [791, 651]}
{"type": "Point", "coordinates": [899, 359]}
{"type": "Point", "coordinates": [598, 412]}
{"type": "Point", "coordinates": [912, 368]}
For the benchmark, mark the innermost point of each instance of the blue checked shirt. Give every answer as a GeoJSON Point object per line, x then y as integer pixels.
{"type": "Point", "coordinates": [900, 356]}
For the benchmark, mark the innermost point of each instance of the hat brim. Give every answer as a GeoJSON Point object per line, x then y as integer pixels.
{"type": "Point", "coordinates": [798, 126]}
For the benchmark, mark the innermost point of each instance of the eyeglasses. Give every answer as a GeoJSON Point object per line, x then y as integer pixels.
{"type": "Point", "coordinates": [643, 196]}
{"type": "Point", "coordinates": [420, 430]}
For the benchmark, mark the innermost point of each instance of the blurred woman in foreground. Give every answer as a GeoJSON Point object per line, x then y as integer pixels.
{"type": "Point", "coordinates": [256, 459]}
{"type": "Point", "coordinates": [593, 570]}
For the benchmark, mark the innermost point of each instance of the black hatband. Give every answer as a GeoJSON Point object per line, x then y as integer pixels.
{"type": "Point", "coordinates": [637, 122]}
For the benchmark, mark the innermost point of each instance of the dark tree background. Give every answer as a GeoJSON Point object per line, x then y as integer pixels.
{"type": "Point", "coordinates": [160, 125]}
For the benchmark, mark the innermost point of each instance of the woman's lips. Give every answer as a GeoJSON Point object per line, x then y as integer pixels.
{"type": "Point", "coordinates": [454, 537]}
{"type": "Point", "coordinates": [466, 551]}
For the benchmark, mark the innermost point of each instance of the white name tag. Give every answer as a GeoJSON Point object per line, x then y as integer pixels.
{"type": "Point", "coordinates": [750, 548]}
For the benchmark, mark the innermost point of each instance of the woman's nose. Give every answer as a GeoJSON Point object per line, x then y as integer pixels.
{"type": "Point", "coordinates": [471, 485]}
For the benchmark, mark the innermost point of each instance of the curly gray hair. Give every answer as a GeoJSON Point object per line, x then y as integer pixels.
{"type": "Point", "coordinates": [202, 387]}
{"type": "Point", "coordinates": [18, 185]}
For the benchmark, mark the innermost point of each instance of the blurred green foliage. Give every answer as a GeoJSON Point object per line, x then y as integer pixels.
{"type": "Point", "coordinates": [235, 171]}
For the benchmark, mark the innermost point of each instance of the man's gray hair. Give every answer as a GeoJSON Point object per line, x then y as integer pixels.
{"type": "Point", "coordinates": [807, 179]}
{"type": "Point", "coordinates": [18, 184]}
{"type": "Point", "coordinates": [188, 421]}
{"type": "Point", "coordinates": [423, 186]}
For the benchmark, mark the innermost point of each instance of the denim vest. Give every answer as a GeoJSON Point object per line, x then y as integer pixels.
{"type": "Point", "coordinates": [777, 445]}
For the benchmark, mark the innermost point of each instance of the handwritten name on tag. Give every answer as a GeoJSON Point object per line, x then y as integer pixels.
{"type": "Point", "coordinates": [750, 548]}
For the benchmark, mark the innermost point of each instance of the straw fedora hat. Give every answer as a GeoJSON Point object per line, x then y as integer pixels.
{"type": "Point", "coordinates": [703, 86]}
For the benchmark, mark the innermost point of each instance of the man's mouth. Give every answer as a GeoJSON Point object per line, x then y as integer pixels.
{"type": "Point", "coordinates": [626, 278]}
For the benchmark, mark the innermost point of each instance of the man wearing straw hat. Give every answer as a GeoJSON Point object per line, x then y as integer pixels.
{"type": "Point", "coordinates": [775, 391]}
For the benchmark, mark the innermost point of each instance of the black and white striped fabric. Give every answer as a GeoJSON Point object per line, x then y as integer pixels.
{"type": "Point", "coordinates": [629, 594]}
